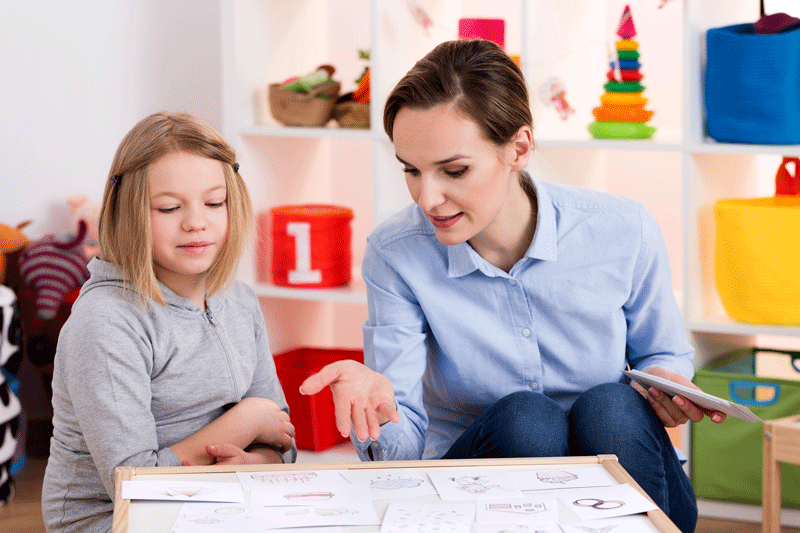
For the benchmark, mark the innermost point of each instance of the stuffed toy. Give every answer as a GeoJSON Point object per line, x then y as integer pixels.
{"type": "Point", "coordinates": [12, 241]}
{"type": "Point", "coordinates": [53, 266]}
{"type": "Point", "coordinates": [10, 408]}
{"type": "Point", "coordinates": [82, 209]}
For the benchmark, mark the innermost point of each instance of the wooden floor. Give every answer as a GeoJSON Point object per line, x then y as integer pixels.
{"type": "Point", "coordinates": [24, 515]}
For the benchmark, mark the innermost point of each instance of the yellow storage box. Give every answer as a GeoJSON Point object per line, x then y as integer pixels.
{"type": "Point", "coordinates": [757, 259]}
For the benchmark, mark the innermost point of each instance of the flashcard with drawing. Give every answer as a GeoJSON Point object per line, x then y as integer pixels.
{"type": "Point", "coordinates": [288, 479]}
{"type": "Point", "coordinates": [320, 516]}
{"type": "Point", "coordinates": [605, 502]}
{"type": "Point", "coordinates": [537, 509]}
{"type": "Point", "coordinates": [330, 496]}
{"type": "Point", "coordinates": [402, 517]}
{"type": "Point", "coordinates": [473, 485]}
{"type": "Point", "coordinates": [198, 491]}
{"type": "Point", "coordinates": [216, 518]}
{"type": "Point", "coordinates": [485, 527]}
{"type": "Point", "coordinates": [573, 478]}
{"type": "Point", "coordinates": [391, 482]}
{"type": "Point", "coordinates": [622, 524]}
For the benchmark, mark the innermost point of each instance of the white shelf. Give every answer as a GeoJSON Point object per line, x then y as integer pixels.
{"type": "Point", "coordinates": [710, 146]}
{"type": "Point", "coordinates": [725, 325]}
{"type": "Point", "coordinates": [354, 292]}
{"type": "Point", "coordinates": [311, 133]}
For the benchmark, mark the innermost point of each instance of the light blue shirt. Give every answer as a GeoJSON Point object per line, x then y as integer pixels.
{"type": "Point", "coordinates": [454, 333]}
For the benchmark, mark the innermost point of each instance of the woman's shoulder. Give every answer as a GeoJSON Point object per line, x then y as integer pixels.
{"type": "Point", "coordinates": [575, 197]}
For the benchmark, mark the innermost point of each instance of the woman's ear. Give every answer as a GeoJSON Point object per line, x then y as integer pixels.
{"type": "Point", "coordinates": [519, 148]}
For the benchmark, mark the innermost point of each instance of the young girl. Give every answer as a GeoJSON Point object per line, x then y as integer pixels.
{"type": "Point", "coordinates": [164, 360]}
{"type": "Point", "coordinates": [503, 309]}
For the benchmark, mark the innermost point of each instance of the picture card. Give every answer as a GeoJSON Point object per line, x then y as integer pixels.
{"type": "Point", "coordinates": [319, 516]}
{"type": "Point", "coordinates": [406, 517]}
{"type": "Point", "coordinates": [605, 502]}
{"type": "Point", "coordinates": [242, 518]}
{"type": "Point", "coordinates": [391, 482]}
{"type": "Point", "coordinates": [298, 478]}
{"type": "Point", "coordinates": [166, 490]}
{"type": "Point", "coordinates": [485, 527]}
{"type": "Point", "coordinates": [534, 509]}
{"type": "Point", "coordinates": [331, 496]}
{"type": "Point", "coordinates": [622, 524]}
{"type": "Point", "coordinates": [473, 485]}
{"type": "Point", "coordinates": [562, 478]}
{"type": "Point", "coordinates": [695, 396]}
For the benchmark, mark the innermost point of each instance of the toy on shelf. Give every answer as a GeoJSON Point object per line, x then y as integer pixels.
{"type": "Point", "coordinates": [11, 454]}
{"type": "Point", "coordinates": [621, 114]}
{"type": "Point", "coordinates": [12, 242]}
{"type": "Point", "coordinates": [307, 100]}
{"type": "Point", "coordinates": [82, 209]}
{"type": "Point", "coordinates": [552, 93]}
{"type": "Point", "coordinates": [352, 109]}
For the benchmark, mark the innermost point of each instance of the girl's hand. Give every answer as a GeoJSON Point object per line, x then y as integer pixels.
{"type": "Point", "coordinates": [230, 454]}
{"type": "Point", "coordinates": [363, 398]}
{"type": "Point", "coordinates": [678, 410]}
{"type": "Point", "coordinates": [276, 428]}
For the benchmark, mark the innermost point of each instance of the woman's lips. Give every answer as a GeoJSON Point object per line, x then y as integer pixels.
{"type": "Point", "coordinates": [444, 222]}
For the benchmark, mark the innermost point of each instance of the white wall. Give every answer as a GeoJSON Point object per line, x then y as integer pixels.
{"type": "Point", "coordinates": [75, 76]}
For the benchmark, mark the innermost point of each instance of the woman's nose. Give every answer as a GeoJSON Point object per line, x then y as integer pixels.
{"type": "Point", "coordinates": [430, 193]}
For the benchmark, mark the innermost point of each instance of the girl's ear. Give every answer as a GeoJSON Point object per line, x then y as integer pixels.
{"type": "Point", "coordinates": [518, 149]}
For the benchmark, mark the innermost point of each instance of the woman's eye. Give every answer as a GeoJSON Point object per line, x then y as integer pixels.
{"type": "Point", "coordinates": [456, 173]}
{"type": "Point", "coordinates": [411, 171]}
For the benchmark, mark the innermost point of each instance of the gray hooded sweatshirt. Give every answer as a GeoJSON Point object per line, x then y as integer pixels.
{"type": "Point", "coordinates": [131, 381]}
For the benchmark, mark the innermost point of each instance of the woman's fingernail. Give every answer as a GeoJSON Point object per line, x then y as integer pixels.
{"type": "Point", "coordinates": [678, 401]}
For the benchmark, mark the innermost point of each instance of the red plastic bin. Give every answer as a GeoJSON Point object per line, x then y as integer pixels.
{"type": "Point", "coordinates": [313, 416]}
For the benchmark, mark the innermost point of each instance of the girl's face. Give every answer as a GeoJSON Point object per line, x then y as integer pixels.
{"type": "Point", "coordinates": [459, 179]}
{"type": "Point", "coordinates": [188, 218]}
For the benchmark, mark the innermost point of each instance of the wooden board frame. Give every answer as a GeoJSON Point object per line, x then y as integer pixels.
{"type": "Point", "coordinates": [122, 507]}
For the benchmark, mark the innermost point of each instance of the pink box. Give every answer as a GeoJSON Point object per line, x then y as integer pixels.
{"type": "Point", "coordinates": [490, 29]}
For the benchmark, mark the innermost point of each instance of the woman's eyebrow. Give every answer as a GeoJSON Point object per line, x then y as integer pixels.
{"type": "Point", "coordinates": [442, 162]}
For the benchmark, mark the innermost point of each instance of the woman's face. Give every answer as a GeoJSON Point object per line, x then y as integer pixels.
{"type": "Point", "coordinates": [456, 176]}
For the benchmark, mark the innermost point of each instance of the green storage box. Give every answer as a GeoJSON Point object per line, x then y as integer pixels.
{"type": "Point", "coordinates": [727, 457]}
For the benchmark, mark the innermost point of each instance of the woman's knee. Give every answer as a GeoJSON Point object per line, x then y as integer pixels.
{"type": "Point", "coordinates": [531, 425]}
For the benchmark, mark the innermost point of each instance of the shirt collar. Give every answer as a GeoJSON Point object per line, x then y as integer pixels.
{"type": "Point", "coordinates": [463, 260]}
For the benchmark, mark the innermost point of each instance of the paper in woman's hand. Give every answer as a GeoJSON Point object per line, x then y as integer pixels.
{"type": "Point", "coordinates": [695, 396]}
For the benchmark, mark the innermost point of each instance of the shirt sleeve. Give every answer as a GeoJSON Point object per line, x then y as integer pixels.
{"type": "Point", "coordinates": [265, 379]}
{"type": "Point", "coordinates": [656, 331]}
{"type": "Point", "coordinates": [394, 345]}
{"type": "Point", "coordinates": [106, 364]}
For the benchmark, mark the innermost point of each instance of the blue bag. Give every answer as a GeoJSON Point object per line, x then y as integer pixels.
{"type": "Point", "coordinates": [752, 85]}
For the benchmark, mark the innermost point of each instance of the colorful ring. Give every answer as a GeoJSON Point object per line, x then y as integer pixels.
{"type": "Point", "coordinates": [628, 54]}
{"type": "Point", "coordinates": [626, 64]}
{"type": "Point", "coordinates": [626, 75]}
{"type": "Point", "coordinates": [623, 87]}
{"type": "Point", "coordinates": [627, 44]}
{"type": "Point", "coordinates": [635, 99]}
{"type": "Point", "coordinates": [620, 113]}
{"type": "Point", "coordinates": [620, 130]}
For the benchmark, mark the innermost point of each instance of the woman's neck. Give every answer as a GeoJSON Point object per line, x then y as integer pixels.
{"type": "Point", "coordinates": [513, 231]}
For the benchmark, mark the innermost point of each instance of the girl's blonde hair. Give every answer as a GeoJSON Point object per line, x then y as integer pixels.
{"type": "Point", "coordinates": [125, 233]}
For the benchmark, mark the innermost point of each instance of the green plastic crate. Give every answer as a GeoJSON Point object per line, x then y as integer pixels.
{"type": "Point", "coordinates": [727, 457]}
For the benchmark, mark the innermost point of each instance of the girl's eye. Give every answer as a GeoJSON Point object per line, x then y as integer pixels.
{"type": "Point", "coordinates": [166, 209]}
{"type": "Point", "coordinates": [411, 171]}
{"type": "Point", "coordinates": [456, 173]}
{"type": "Point", "coordinates": [215, 205]}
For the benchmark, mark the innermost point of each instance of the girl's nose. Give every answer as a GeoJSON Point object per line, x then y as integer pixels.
{"type": "Point", "coordinates": [194, 219]}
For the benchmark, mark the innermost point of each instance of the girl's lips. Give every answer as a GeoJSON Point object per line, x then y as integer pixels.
{"type": "Point", "coordinates": [444, 222]}
{"type": "Point", "coordinates": [195, 247]}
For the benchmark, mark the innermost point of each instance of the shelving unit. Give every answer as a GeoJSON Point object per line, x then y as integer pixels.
{"type": "Point", "coordinates": [678, 174]}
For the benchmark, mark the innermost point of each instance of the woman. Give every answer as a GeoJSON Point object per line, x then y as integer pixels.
{"type": "Point", "coordinates": [503, 309]}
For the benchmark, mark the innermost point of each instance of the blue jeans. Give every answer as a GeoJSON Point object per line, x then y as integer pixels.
{"type": "Point", "coordinates": [607, 419]}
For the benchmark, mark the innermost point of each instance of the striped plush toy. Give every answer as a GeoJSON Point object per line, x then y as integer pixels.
{"type": "Point", "coordinates": [53, 266]}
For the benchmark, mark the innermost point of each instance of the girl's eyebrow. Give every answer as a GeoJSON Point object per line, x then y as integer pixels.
{"type": "Point", "coordinates": [442, 162]}
{"type": "Point", "coordinates": [176, 195]}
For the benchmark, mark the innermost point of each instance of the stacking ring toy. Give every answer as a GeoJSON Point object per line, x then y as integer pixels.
{"type": "Point", "coordinates": [624, 87]}
{"type": "Point", "coordinates": [621, 130]}
{"type": "Point", "coordinates": [623, 99]}
{"type": "Point", "coordinates": [627, 44]}
{"type": "Point", "coordinates": [621, 113]}
{"type": "Point", "coordinates": [625, 74]}
{"type": "Point", "coordinates": [628, 54]}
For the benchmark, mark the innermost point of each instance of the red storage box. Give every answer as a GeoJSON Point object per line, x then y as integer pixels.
{"type": "Point", "coordinates": [311, 245]}
{"type": "Point", "coordinates": [313, 416]}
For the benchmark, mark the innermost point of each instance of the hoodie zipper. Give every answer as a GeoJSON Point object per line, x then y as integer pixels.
{"type": "Point", "coordinates": [210, 318]}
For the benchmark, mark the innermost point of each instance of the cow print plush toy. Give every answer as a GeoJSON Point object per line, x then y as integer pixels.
{"type": "Point", "coordinates": [10, 408]}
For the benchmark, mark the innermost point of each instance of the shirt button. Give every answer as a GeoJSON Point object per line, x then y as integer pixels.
{"type": "Point", "coordinates": [512, 281]}
{"type": "Point", "coordinates": [526, 332]}
{"type": "Point", "coordinates": [534, 385]}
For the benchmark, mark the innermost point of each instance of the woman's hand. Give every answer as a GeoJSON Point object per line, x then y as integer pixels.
{"type": "Point", "coordinates": [678, 410]}
{"type": "Point", "coordinates": [230, 454]}
{"type": "Point", "coordinates": [363, 398]}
